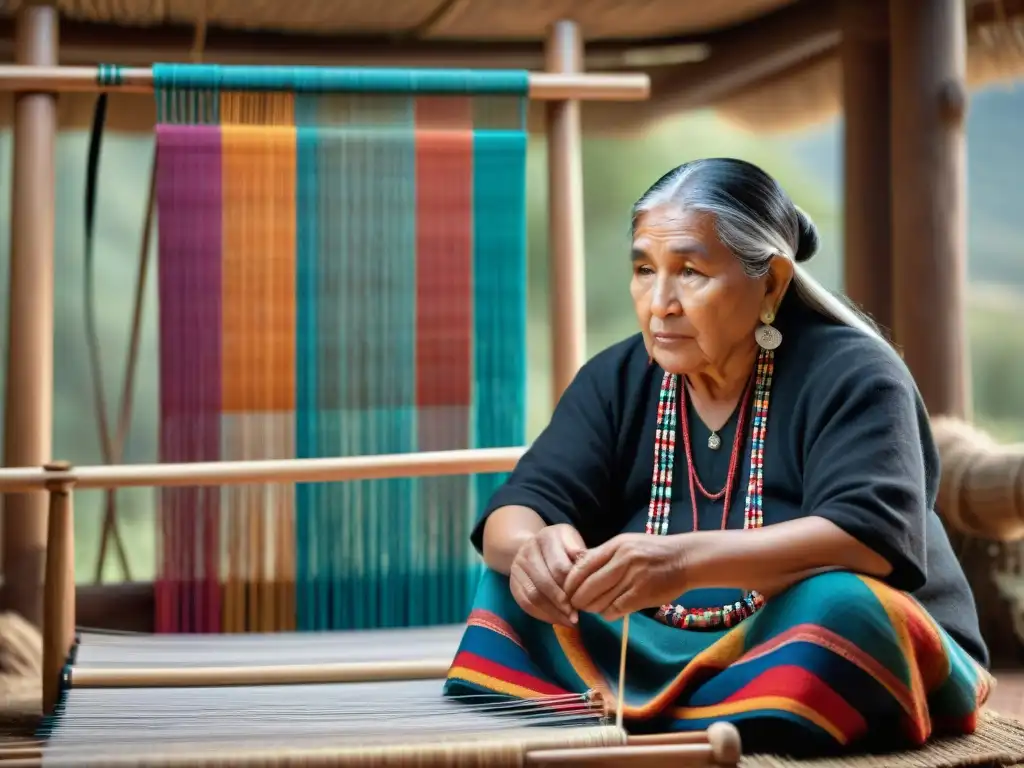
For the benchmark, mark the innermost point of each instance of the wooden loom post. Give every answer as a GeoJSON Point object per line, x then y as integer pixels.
{"type": "Point", "coordinates": [929, 102]}
{"type": "Point", "coordinates": [867, 201]}
{"type": "Point", "coordinates": [28, 402]}
{"type": "Point", "coordinates": [59, 595]}
{"type": "Point", "coordinates": [565, 214]}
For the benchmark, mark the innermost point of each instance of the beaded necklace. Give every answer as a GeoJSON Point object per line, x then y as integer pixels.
{"type": "Point", "coordinates": [715, 617]}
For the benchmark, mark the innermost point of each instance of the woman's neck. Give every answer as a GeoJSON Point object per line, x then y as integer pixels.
{"type": "Point", "coordinates": [724, 384]}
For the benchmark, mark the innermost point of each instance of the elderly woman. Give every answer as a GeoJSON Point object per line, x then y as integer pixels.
{"type": "Point", "coordinates": [752, 478]}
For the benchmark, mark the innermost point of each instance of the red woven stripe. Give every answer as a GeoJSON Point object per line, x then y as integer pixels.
{"type": "Point", "coordinates": [444, 251]}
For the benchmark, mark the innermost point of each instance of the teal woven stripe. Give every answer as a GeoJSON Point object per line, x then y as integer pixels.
{"type": "Point", "coordinates": [308, 427]}
{"type": "Point", "coordinates": [356, 390]}
{"type": "Point", "coordinates": [469, 82]}
{"type": "Point", "coordinates": [499, 283]}
{"type": "Point", "coordinates": [109, 74]}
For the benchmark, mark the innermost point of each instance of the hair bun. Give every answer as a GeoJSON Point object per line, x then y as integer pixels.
{"type": "Point", "coordinates": [807, 240]}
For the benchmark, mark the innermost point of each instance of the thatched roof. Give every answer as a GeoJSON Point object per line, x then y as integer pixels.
{"type": "Point", "coordinates": [766, 64]}
{"type": "Point", "coordinates": [811, 92]}
{"type": "Point", "coordinates": [429, 19]}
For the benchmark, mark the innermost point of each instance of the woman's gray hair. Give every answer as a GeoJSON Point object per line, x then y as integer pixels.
{"type": "Point", "coordinates": [756, 220]}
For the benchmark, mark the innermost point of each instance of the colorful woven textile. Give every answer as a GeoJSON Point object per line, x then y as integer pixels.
{"type": "Point", "coordinates": [342, 272]}
{"type": "Point", "coordinates": [837, 656]}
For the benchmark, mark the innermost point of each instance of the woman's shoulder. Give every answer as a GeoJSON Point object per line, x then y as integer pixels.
{"type": "Point", "coordinates": [838, 375]}
{"type": "Point", "coordinates": [828, 353]}
{"type": "Point", "coordinates": [622, 357]}
{"type": "Point", "coordinates": [614, 372]}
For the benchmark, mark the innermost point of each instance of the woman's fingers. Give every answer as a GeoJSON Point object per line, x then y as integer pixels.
{"type": "Point", "coordinates": [555, 565]}
{"type": "Point", "coordinates": [532, 599]}
{"type": "Point", "coordinates": [572, 542]}
{"type": "Point", "coordinates": [559, 561]}
{"type": "Point", "coordinates": [622, 605]}
{"type": "Point", "coordinates": [537, 567]}
{"type": "Point", "coordinates": [586, 568]}
{"type": "Point", "coordinates": [605, 582]}
{"type": "Point", "coordinates": [600, 602]}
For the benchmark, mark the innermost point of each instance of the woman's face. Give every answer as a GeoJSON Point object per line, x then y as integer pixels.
{"type": "Point", "coordinates": [696, 306]}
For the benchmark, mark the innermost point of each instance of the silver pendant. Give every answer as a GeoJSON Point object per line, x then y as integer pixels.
{"type": "Point", "coordinates": [768, 337]}
{"type": "Point", "coordinates": [714, 441]}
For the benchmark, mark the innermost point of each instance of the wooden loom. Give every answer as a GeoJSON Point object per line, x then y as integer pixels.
{"type": "Point", "coordinates": [342, 272]}
{"type": "Point", "coordinates": [347, 698]}
{"type": "Point", "coordinates": [356, 698]}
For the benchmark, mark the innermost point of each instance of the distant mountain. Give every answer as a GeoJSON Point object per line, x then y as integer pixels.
{"type": "Point", "coordinates": [995, 170]}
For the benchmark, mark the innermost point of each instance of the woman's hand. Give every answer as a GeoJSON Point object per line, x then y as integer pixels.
{"type": "Point", "coordinates": [628, 573]}
{"type": "Point", "coordinates": [539, 571]}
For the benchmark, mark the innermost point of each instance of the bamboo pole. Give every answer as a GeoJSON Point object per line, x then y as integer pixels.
{"type": "Point", "coordinates": [378, 467]}
{"type": "Point", "coordinates": [544, 86]}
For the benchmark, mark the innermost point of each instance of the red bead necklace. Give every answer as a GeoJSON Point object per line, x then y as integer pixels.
{"type": "Point", "coordinates": [734, 458]}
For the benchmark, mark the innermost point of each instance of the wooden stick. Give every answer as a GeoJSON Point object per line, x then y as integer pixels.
{"type": "Point", "coordinates": [544, 86]}
{"type": "Point", "coordinates": [384, 466]}
{"type": "Point", "coordinates": [652, 756]}
{"type": "Point", "coordinates": [285, 674]}
{"type": "Point", "coordinates": [59, 587]}
{"type": "Point", "coordinates": [622, 672]}
{"type": "Point", "coordinates": [34, 747]}
{"type": "Point", "coordinates": [678, 737]}
{"type": "Point", "coordinates": [31, 750]}
{"type": "Point", "coordinates": [718, 746]}
{"type": "Point", "coordinates": [693, 755]}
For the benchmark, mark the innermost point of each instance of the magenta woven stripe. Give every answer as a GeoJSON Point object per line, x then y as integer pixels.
{"type": "Point", "coordinates": [188, 199]}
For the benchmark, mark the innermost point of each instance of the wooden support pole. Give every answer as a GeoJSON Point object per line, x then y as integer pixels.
{"type": "Point", "coordinates": [929, 103]}
{"type": "Point", "coordinates": [59, 596]}
{"type": "Point", "coordinates": [565, 214]}
{"type": "Point", "coordinates": [867, 174]}
{"type": "Point", "coordinates": [28, 403]}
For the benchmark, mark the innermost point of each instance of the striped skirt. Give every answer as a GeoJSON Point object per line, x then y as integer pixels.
{"type": "Point", "coordinates": [829, 661]}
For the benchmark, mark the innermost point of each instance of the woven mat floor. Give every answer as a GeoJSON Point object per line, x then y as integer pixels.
{"type": "Point", "coordinates": [998, 743]}
{"type": "Point", "coordinates": [20, 705]}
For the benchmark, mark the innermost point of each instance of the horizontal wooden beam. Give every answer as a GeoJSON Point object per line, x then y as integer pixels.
{"type": "Point", "coordinates": [985, 12]}
{"type": "Point", "coordinates": [686, 71]}
{"type": "Point", "coordinates": [91, 43]}
{"type": "Point", "coordinates": [741, 57]}
{"type": "Point", "coordinates": [542, 86]}
{"type": "Point", "coordinates": [335, 469]}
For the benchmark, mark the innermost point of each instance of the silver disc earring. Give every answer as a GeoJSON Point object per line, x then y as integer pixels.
{"type": "Point", "coordinates": [767, 335]}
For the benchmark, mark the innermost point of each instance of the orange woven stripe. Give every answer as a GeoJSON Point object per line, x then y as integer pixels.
{"type": "Point", "coordinates": [259, 269]}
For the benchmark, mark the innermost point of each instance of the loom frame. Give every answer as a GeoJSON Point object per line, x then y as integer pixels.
{"type": "Point", "coordinates": [719, 745]}
{"type": "Point", "coordinates": [37, 79]}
